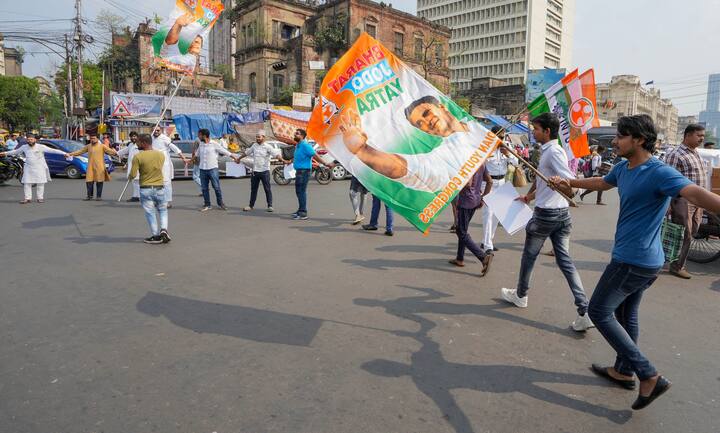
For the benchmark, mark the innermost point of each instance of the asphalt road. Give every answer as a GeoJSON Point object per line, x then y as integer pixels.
{"type": "Point", "coordinates": [251, 322]}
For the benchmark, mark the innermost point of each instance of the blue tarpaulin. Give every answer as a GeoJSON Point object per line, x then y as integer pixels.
{"type": "Point", "coordinates": [188, 125]}
{"type": "Point", "coordinates": [491, 120]}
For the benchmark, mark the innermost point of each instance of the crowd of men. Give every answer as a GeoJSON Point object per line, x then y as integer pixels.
{"type": "Point", "coordinates": [647, 188]}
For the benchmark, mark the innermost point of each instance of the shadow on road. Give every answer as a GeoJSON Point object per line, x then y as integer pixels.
{"type": "Point", "coordinates": [426, 264]}
{"type": "Point", "coordinates": [232, 320]}
{"type": "Point", "coordinates": [436, 377]}
{"type": "Point", "coordinates": [68, 220]}
{"type": "Point", "coordinates": [101, 239]}
{"type": "Point", "coordinates": [582, 265]}
{"type": "Point", "coordinates": [603, 245]}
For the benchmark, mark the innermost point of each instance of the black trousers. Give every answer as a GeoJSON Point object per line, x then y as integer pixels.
{"type": "Point", "coordinates": [255, 179]}
{"type": "Point", "coordinates": [464, 240]}
{"type": "Point", "coordinates": [89, 186]}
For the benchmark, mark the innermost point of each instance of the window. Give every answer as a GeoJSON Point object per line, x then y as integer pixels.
{"type": "Point", "coordinates": [399, 42]}
{"type": "Point", "coordinates": [438, 54]}
{"type": "Point", "coordinates": [371, 29]}
{"type": "Point", "coordinates": [278, 82]}
{"type": "Point", "coordinates": [419, 49]}
{"type": "Point", "coordinates": [253, 86]}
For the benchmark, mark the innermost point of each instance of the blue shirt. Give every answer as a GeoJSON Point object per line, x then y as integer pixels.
{"type": "Point", "coordinates": [470, 197]}
{"type": "Point", "coordinates": [303, 156]}
{"type": "Point", "coordinates": [645, 193]}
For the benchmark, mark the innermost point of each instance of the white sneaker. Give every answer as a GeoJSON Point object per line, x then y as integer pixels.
{"type": "Point", "coordinates": [511, 296]}
{"type": "Point", "coordinates": [582, 323]}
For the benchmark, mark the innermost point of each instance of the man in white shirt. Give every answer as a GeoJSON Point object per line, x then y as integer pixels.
{"type": "Point", "coordinates": [130, 151]}
{"type": "Point", "coordinates": [595, 165]}
{"type": "Point", "coordinates": [262, 154]}
{"type": "Point", "coordinates": [551, 219]}
{"type": "Point", "coordinates": [163, 143]}
{"type": "Point", "coordinates": [429, 172]}
{"type": "Point", "coordinates": [207, 155]}
{"type": "Point", "coordinates": [497, 165]}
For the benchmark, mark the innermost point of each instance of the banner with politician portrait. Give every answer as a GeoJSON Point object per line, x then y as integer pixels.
{"type": "Point", "coordinates": [179, 40]}
{"type": "Point", "coordinates": [406, 142]}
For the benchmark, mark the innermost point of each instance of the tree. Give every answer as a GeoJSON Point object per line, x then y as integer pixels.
{"type": "Point", "coordinates": [286, 95]}
{"type": "Point", "coordinates": [19, 99]}
{"type": "Point", "coordinates": [92, 86]}
{"type": "Point", "coordinates": [120, 63]}
{"type": "Point", "coordinates": [463, 103]}
{"type": "Point", "coordinates": [110, 22]}
{"type": "Point", "coordinates": [51, 109]}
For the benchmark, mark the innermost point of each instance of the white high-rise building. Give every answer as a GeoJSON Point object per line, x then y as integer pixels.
{"type": "Point", "coordinates": [503, 38]}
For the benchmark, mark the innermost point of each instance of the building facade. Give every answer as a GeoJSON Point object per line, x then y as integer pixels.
{"type": "Point", "coordinates": [13, 60]}
{"type": "Point", "coordinates": [283, 44]}
{"type": "Point", "coordinates": [683, 122]}
{"type": "Point", "coordinates": [491, 95]}
{"type": "Point", "coordinates": [503, 38]}
{"type": "Point", "coordinates": [711, 115]}
{"type": "Point", "coordinates": [625, 96]}
{"type": "Point", "coordinates": [221, 43]}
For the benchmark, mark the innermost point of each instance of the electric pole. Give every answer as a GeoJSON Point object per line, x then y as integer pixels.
{"type": "Point", "coordinates": [79, 41]}
{"type": "Point", "coordinates": [70, 100]}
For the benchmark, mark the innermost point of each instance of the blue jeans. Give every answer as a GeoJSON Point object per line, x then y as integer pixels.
{"type": "Point", "coordinates": [153, 203]}
{"type": "Point", "coordinates": [196, 176]}
{"type": "Point", "coordinates": [554, 224]}
{"type": "Point", "coordinates": [464, 240]}
{"type": "Point", "coordinates": [207, 177]}
{"type": "Point", "coordinates": [375, 214]}
{"type": "Point", "coordinates": [614, 311]}
{"type": "Point", "coordinates": [302, 177]}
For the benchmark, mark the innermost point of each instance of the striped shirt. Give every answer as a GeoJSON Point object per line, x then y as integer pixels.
{"type": "Point", "coordinates": [688, 162]}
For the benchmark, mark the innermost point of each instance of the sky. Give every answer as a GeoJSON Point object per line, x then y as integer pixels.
{"type": "Point", "coordinates": [670, 43]}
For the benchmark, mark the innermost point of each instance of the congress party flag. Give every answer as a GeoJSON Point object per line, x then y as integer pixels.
{"type": "Point", "coordinates": [180, 39]}
{"type": "Point", "coordinates": [404, 140]}
{"type": "Point", "coordinates": [572, 99]}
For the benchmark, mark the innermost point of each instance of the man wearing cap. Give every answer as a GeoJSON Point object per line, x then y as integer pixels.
{"type": "Point", "coordinates": [262, 153]}
{"type": "Point", "coordinates": [496, 165]}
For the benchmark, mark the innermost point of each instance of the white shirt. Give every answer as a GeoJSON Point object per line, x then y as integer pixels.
{"type": "Point", "coordinates": [36, 169]}
{"type": "Point", "coordinates": [595, 162]}
{"type": "Point", "coordinates": [208, 152]}
{"type": "Point", "coordinates": [165, 145]}
{"type": "Point", "coordinates": [497, 164]}
{"type": "Point", "coordinates": [262, 154]}
{"type": "Point", "coordinates": [553, 162]}
{"type": "Point", "coordinates": [130, 150]}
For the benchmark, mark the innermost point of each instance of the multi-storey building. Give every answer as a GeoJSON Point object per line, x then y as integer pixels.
{"type": "Point", "coordinates": [285, 44]}
{"type": "Point", "coordinates": [625, 96]}
{"type": "Point", "coordinates": [503, 38]}
{"type": "Point", "coordinates": [711, 115]}
{"type": "Point", "coordinates": [221, 43]}
{"type": "Point", "coordinates": [683, 122]}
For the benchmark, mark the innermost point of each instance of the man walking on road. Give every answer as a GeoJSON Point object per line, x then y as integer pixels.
{"type": "Point", "coordinates": [163, 143]}
{"type": "Point", "coordinates": [469, 200]}
{"type": "Point", "coordinates": [130, 151]}
{"type": "Point", "coordinates": [645, 186]}
{"type": "Point", "coordinates": [357, 199]}
{"type": "Point", "coordinates": [207, 155]}
{"type": "Point", "coordinates": [551, 219]}
{"type": "Point", "coordinates": [302, 161]}
{"type": "Point", "coordinates": [262, 154]}
{"type": "Point", "coordinates": [497, 166]}
{"type": "Point", "coordinates": [687, 161]}
{"type": "Point", "coordinates": [149, 164]}
{"type": "Point", "coordinates": [375, 215]}
{"type": "Point", "coordinates": [595, 165]}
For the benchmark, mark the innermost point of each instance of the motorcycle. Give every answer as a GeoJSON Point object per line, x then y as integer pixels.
{"type": "Point", "coordinates": [11, 166]}
{"type": "Point", "coordinates": [323, 175]}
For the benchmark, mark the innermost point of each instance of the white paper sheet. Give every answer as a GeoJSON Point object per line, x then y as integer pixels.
{"type": "Point", "coordinates": [512, 214]}
{"type": "Point", "coordinates": [289, 171]}
{"type": "Point", "coordinates": [233, 169]}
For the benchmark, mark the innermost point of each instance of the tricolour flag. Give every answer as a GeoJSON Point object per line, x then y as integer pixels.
{"type": "Point", "coordinates": [404, 140]}
{"type": "Point", "coordinates": [572, 99]}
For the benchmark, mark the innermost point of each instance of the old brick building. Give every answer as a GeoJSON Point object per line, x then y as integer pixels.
{"type": "Point", "coordinates": [283, 44]}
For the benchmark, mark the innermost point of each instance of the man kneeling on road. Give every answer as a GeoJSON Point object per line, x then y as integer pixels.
{"type": "Point", "coordinates": [149, 164]}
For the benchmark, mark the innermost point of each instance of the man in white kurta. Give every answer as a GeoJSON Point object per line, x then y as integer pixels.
{"type": "Point", "coordinates": [163, 143]}
{"type": "Point", "coordinates": [36, 170]}
{"type": "Point", "coordinates": [130, 151]}
{"type": "Point", "coordinates": [497, 166]}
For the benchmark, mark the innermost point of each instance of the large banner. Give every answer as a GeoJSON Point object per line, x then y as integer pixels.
{"type": "Point", "coordinates": [572, 99]}
{"type": "Point", "coordinates": [409, 144]}
{"type": "Point", "coordinates": [179, 40]}
{"type": "Point", "coordinates": [134, 105]}
{"type": "Point", "coordinates": [239, 102]}
{"type": "Point", "coordinates": [539, 80]}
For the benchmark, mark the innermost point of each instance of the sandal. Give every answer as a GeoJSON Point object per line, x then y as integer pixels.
{"type": "Point", "coordinates": [603, 372]}
{"type": "Point", "coordinates": [456, 263]}
{"type": "Point", "coordinates": [661, 386]}
{"type": "Point", "coordinates": [25, 201]}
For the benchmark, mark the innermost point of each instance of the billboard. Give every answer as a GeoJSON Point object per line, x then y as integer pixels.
{"type": "Point", "coordinates": [539, 80]}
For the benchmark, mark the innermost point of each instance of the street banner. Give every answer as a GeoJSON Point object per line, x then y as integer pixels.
{"type": "Point", "coordinates": [179, 40]}
{"type": "Point", "coordinates": [135, 105]}
{"type": "Point", "coordinates": [404, 140]}
{"type": "Point", "coordinates": [539, 80]}
{"type": "Point", "coordinates": [572, 99]}
{"type": "Point", "coordinates": [239, 102]}
{"type": "Point", "coordinates": [285, 123]}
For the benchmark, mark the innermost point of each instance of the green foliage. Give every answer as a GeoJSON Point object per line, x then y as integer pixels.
{"type": "Point", "coordinates": [330, 37]}
{"type": "Point", "coordinates": [92, 87]}
{"type": "Point", "coordinates": [286, 95]}
{"type": "Point", "coordinates": [226, 73]}
{"type": "Point", "coordinates": [19, 102]}
{"type": "Point", "coordinates": [463, 103]}
{"type": "Point", "coordinates": [51, 109]}
{"type": "Point", "coordinates": [119, 64]}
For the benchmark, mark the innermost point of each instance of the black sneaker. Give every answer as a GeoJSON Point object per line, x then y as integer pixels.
{"type": "Point", "coordinates": [133, 199]}
{"type": "Point", "coordinates": [153, 240]}
{"type": "Point", "coordinates": [389, 233]}
{"type": "Point", "coordinates": [88, 198]}
{"type": "Point", "coordinates": [369, 227]}
{"type": "Point", "coordinates": [222, 207]}
{"type": "Point", "coordinates": [165, 236]}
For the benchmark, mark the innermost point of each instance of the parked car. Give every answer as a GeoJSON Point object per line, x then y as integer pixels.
{"type": "Point", "coordinates": [74, 168]}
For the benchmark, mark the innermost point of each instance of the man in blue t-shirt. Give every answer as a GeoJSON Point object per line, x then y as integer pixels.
{"type": "Point", "coordinates": [302, 161]}
{"type": "Point", "coordinates": [645, 186]}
